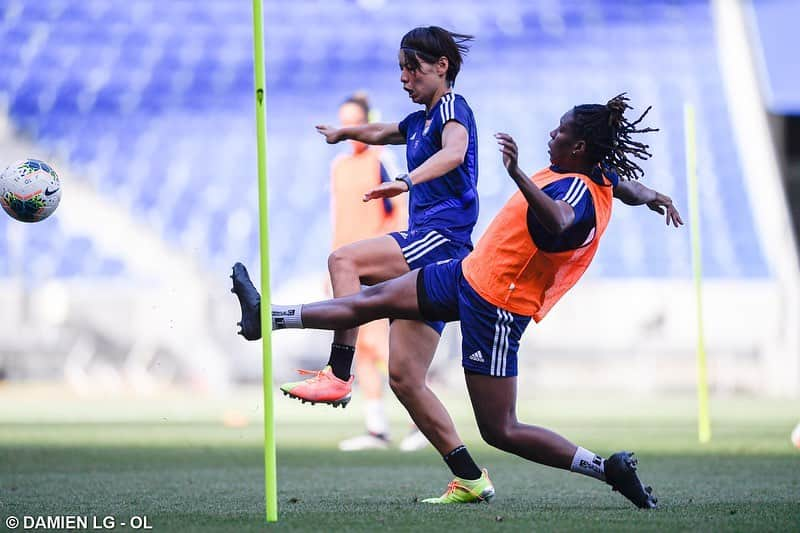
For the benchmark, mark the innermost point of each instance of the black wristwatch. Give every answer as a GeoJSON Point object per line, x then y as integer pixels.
{"type": "Point", "coordinates": [406, 179]}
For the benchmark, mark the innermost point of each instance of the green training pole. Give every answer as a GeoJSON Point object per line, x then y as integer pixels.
{"type": "Point", "coordinates": [703, 417]}
{"type": "Point", "coordinates": [270, 462]}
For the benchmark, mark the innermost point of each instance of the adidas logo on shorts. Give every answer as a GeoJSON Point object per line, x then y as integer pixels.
{"type": "Point", "coordinates": [477, 357]}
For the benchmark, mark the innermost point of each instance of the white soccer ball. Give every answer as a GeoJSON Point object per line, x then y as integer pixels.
{"type": "Point", "coordinates": [796, 436]}
{"type": "Point", "coordinates": [29, 190]}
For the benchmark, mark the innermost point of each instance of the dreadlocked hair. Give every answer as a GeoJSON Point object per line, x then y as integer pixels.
{"type": "Point", "coordinates": [608, 135]}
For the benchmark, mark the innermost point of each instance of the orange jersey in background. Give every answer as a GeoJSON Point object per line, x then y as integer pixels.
{"type": "Point", "coordinates": [509, 271]}
{"type": "Point", "coordinates": [352, 175]}
{"type": "Point", "coordinates": [353, 220]}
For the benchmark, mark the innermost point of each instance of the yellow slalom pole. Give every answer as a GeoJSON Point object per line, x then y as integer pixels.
{"type": "Point", "coordinates": [270, 462]}
{"type": "Point", "coordinates": [703, 417]}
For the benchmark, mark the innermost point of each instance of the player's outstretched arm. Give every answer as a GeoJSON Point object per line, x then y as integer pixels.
{"type": "Point", "coordinates": [634, 193]}
{"type": "Point", "coordinates": [455, 140]}
{"type": "Point", "coordinates": [376, 133]}
{"type": "Point", "coordinates": [556, 216]}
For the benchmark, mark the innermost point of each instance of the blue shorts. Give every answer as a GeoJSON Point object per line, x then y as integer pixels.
{"type": "Point", "coordinates": [426, 246]}
{"type": "Point", "coordinates": [490, 334]}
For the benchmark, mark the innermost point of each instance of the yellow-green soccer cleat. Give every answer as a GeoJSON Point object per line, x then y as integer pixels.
{"type": "Point", "coordinates": [466, 491]}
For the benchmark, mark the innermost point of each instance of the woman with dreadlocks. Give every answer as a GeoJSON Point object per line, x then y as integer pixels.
{"type": "Point", "coordinates": [534, 251]}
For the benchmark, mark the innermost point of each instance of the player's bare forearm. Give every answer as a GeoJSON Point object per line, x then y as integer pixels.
{"type": "Point", "coordinates": [454, 148]}
{"type": "Point", "coordinates": [555, 216]}
{"type": "Point", "coordinates": [634, 193]}
{"type": "Point", "coordinates": [436, 166]}
{"type": "Point", "coordinates": [376, 134]}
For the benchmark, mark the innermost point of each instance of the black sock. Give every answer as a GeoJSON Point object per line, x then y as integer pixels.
{"type": "Point", "coordinates": [462, 465]}
{"type": "Point", "coordinates": [341, 360]}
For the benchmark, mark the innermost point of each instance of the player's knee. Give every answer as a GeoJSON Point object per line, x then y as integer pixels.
{"type": "Point", "coordinates": [402, 385]}
{"type": "Point", "coordinates": [397, 384]}
{"type": "Point", "coordinates": [341, 259]}
{"type": "Point", "coordinates": [498, 434]}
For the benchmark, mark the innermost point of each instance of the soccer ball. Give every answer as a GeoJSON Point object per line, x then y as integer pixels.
{"type": "Point", "coordinates": [29, 190]}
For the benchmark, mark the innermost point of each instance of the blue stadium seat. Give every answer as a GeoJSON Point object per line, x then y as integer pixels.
{"type": "Point", "coordinates": [155, 81]}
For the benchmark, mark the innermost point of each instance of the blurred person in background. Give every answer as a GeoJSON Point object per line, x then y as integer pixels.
{"type": "Point", "coordinates": [352, 173]}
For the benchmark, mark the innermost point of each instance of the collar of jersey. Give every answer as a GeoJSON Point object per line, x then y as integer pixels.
{"type": "Point", "coordinates": [595, 177]}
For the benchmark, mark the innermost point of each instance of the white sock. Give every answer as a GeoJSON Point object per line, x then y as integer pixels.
{"type": "Point", "coordinates": [588, 464]}
{"type": "Point", "coordinates": [287, 316]}
{"type": "Point", "coordinates": [376, 418]}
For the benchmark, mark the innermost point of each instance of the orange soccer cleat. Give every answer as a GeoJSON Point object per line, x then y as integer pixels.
{"type": "Point", "coordinates": [324, 387]}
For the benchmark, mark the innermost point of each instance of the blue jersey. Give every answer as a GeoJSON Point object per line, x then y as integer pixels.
{"type": "Point", "coordinates": [574, 192]}
{"type": "Point", "coordinates": [448, 203]}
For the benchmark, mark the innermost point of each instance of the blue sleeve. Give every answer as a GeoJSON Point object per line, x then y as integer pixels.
{"type": "Point", "coordinates": [455, 109]}
{"type": "Point", "coordinates": [405, 123]}
{"type": "Point", "coordinates": [574, 192]}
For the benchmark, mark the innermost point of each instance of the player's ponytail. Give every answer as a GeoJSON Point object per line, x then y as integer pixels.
{"type": "Point", "coordinates": [430, 43]}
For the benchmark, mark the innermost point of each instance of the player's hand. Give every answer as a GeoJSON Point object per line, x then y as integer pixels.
{"type": "Point", "coordinates": [388, 189]}
{"type": "Point", "coordinates": [663, 206]}
{"type": "Point", "coordinates": [508, 147]}
{"type": "Point", "coordinates": [332, 135]}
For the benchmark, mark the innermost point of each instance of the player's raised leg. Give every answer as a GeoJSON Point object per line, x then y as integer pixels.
{"type": "Point", "coordinates": [396, 298]}
{"type": "Point", "coordinates": [364, 262]}
{"type": "Point", "coordinates": [368, 262]}
{"type": "Point", "coordinates": [361, 263]}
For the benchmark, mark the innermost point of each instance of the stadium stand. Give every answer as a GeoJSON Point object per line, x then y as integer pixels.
{"type": "Point", "coordinates": [148, 108]}
{"type": "Point", "coordinates": [160, 121]}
